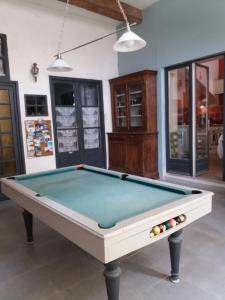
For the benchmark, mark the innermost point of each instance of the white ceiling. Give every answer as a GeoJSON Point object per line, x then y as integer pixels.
{"type": "Point", "coordinates": [142, 4]}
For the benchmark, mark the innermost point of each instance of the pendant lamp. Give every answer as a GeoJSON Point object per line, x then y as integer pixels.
{"type": "Point", "coordinates": [59, 65]}
{"type": "Point", "coordinates": [129, 41]}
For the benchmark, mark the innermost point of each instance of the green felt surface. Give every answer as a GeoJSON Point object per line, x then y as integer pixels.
{"type": "Point", "coordinates": [105, 199]}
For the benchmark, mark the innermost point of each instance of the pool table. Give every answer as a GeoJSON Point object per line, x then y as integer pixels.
{"type": "Point", "coordinates": [107, 213]}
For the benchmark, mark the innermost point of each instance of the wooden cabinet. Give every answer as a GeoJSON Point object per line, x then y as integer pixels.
{"type": "Point", "coordinates": [133, 142]}
{"type": "Point", "coordinates": [134, 153]}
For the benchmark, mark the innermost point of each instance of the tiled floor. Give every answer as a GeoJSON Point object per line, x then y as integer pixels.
{"type": "Point", "coordinates": [215, 169]}
{"type": "Point", "coordinates": [55, 269]}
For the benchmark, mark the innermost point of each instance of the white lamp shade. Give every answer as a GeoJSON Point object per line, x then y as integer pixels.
{"type": "Point", "coordinates": [59, 65]}
{"type": "Point", "coordinates": [128, 42]}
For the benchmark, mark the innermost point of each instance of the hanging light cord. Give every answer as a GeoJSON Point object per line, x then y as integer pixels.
{"type": "Point", "coordinates": [59, 53]}
{"type": "Point", "coordinates": [96, 40]}
{"type": "Point", "coordinates": [62, 29]}
{"type": "Point", "coordinates": [123, 13]}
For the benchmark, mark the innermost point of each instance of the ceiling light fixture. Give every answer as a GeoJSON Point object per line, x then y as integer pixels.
{"type": "Point", "coordinates": [96, 40]}
{"type": "Point", "coordinates": [59, 65]}
{"type": "Point", "coordinates": [129, 41]}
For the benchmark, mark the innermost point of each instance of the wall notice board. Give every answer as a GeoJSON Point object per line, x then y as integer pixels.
{"type": "Point", "coordinates": [39, 138]}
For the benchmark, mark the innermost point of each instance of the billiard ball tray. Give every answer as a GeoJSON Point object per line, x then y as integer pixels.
{"type": "Point", "coordinates": [167, 225]}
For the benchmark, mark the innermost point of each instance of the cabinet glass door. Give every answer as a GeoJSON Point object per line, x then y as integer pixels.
{"type": "Point", "coordinates": [136, 105]}
{"type": "Point", "coordinates": [201, 108]}
{"type": "Point", "coordinates": [121, 107]}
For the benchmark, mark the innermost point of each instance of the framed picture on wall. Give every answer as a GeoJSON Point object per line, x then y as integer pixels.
{"type": "Point", "coordinates": [39, 138]}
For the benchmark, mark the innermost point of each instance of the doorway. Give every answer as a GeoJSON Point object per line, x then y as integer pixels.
{"type": "Point", "coordinates": [11, 149]}
{"type": "Point", "coordinates": [209, 99]}
{"type": "Point", "coordinates": [78, 117]}
{"type": "Point", "coordinates": [179, 120]}
{"type": "Point", "coordinates": [195, 118]}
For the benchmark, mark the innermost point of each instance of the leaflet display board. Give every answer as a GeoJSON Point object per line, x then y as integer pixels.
{"type": "Point", "coordinates": [39, 138]}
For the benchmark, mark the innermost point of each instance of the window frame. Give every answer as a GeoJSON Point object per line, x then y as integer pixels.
{"type": "Point", "coordinates": [5, 58]}
{"type": "Point", "coordinates": [36, 105]}
{"type": "Point", "coordinates": [184, 167]}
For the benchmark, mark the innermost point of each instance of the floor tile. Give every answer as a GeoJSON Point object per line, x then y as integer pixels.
{"type": "Point", "coordinates": [48, 252]}
{"type": "Point", "coordinates": [206, 274]}
{"type": "Point", "coordinates": [183, 290]}
{"type": "Point", "coordinates": [56, 296]}
{"type": "Point", "coordinates": [32, 285]}
{"type": "Point", "coordinates": [94, 289]}
{"type": "Point", "coordinates": [15, 264]}
{"type": "Point", "coordinates": [71, 270]}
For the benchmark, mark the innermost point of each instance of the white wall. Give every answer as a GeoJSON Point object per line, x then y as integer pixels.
{"type": "Point", "coordinates": [32, 28]}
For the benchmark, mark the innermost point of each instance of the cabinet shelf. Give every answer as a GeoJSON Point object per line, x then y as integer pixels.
{"type": "Point", "coordinates": [120, 95]}
{"type": "Point", "coordinates": [135, 105]}
{"type": "Point", "coordinates": [136, 92]}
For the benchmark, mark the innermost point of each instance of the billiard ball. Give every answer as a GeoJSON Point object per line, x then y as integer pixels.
{"type": "Point", "coordinates": [152, 234]}
{"type": "Point", "coordinates": [173, 223]}
{"type": "Point", "coordinates": [178, 221]}
{"type": "Point", "coordinates": [156, 230]}
{"type": "Point", "coordinates": [168, 226]}
{"type": "Point", "coordinates": [182, 218]}
{"type": "Point", "coordinates": [162, 227]}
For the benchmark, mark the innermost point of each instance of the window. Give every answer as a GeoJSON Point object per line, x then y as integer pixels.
{"type": "Point", "coordinates": [4, 63]}
{"type": "Point", "coordinates": [36, 105]}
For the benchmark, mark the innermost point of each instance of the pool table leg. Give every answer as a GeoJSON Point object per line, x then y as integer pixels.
{"type": "Point", "coordinates": [28, 221]}
{"type": "Point", "coordinates": [112, 278]}
{"type": "Point", "coordinates": [175, 242]}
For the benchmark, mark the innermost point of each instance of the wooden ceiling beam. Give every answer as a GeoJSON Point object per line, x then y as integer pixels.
{"type": "Point", "coordinates": [109, 8]}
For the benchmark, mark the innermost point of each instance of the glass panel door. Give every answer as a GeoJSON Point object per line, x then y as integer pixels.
{"type": "Point", "coordinates": [66, 120]}
{"type": "Point", "coordinates": [90, 116]}
{"type": "Point", "coordinates": [179, 120]}
{"type": "Point", "coordinates": [92, 122]}
{"type": "Point", "coordinates": [201, 108]}
{"type": "Point", "coordinates": [66, 129]}
{"type": "Point", "coordinates": [78, 121]}
{"type": "Point", "coordinates": [10, 160]}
